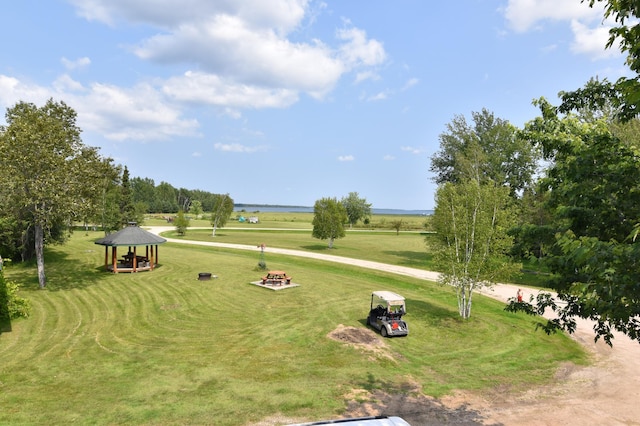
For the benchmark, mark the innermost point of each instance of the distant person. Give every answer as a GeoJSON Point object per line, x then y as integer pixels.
{"type": "Point", "coordinates": [519, 295]}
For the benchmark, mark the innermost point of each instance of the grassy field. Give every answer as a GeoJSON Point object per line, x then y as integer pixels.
{"type": "Point", "coordinates": [408, 248]}
{"type": "Point", "coordinates": [303, 220]}
{"type": "Point", "coordinates": [162, 347]}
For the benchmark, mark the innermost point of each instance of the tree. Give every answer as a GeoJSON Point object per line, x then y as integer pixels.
{"type": "Point", "coordinates": [357, 208]}
{"type": "Point", "coordinates": [12, 306]}
{"type": "Point", "coordinates": [181, 223]}
{"type": "Point", "coordinates": [196, 208]}
{"type": "Point", "coordinates": [47, 164]}
{"type": "Point", "coordinates": [625, 92]}
{"type": "Point", "coordinates": [593, 184]}
{"type": "Point", "coordinates": [329, 217]}
{"type": "Point", "coordinates": [222, 209]}
{"type": "Point", "coordinates": [144, 192]}
{"type": "Point", "coordinates": [397, 225]}
{"type": "Point", "coordinates": [491, 145]}
{"type": "Point", "coordinates": [166, 198]}
{"type": "Point", "coordinates": [471, 220]}
{"type": "Point", "coordinates": [127, 207]}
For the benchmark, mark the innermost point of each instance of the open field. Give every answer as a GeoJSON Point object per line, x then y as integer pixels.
{"type": "Point", "coordinates": [162, 347]}
{"type": "Point", "coordinates": [408, 248]}
{"type": "Point", "coordinates": [405, 249]}
{"type": "Point", "coordinates": [303, 220]}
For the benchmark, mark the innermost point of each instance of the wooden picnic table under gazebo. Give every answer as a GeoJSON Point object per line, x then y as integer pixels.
{"type": "Point", "coordinates": [133, 260]}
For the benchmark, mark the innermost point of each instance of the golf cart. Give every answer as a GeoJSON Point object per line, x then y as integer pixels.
{"type": "Point", "coordinates": [387, 309]}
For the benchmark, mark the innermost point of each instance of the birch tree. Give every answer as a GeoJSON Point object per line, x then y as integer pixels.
{"type": "Point", "coordinates": [329, 217]}
{"type": "Point", "coordinates": [222, 209]}
{"type": "Point", "coordinates": [471, 220]}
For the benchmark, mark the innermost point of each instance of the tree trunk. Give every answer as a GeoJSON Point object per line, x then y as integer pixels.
{"type": "Point", "coordinates": [331, 242]}
{"type": "Point", "coordinates": [39, 246]}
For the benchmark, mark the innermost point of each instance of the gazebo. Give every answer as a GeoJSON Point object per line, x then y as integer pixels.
{"type": "Point", "coordinates": [133, 261]}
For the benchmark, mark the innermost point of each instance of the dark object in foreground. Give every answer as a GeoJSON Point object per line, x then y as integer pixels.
{"type": "Point", "coordinates": [387, 309]}
{"type": "Point", "coordinates": [204, 276]}
{"type": "Point", "coordinates": [363, 421]}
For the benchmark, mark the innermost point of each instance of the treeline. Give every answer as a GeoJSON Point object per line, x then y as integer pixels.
{"type": "Point", "coordinates": [165, 198]}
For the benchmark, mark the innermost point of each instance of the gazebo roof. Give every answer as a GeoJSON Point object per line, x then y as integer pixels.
{"type": "Point", "coordinates": [131, 236]}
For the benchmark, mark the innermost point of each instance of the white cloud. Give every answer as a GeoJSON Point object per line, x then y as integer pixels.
{"type": "Point", "coordinates": [358, 50]}
{"type": "Point", "coordinates": [380, 96]}
{"type": "Point", "coordinates": [590, 32]}
{"type": "Point", "coordinates": [284, 15]}
{"type": "Point", "coordinates": [346, 158]}
{"type": "Point", "coordinates": [592, 41]}
{"type": "Point", "coordinates": [242, 53]}
{"type": "Point", "coordinates": [78, 63]}
{"type": "Point", "coordinates": [202, 88]}
{"type": "Point", "coordinates": [196, 154]}
{"type": "Point", "coordinates": [388, 158]}
{"type": "Point", "coordinates": [236, 147]}
{"type": "Point", "coordinates": [410, 83]}
{"type": "Point", "coordinates": [65, 83]}
{"type": "Point", "coordinates": [411, 150]}
{"type": "Point", "coordinates": [13, 91]}
{"type": "Point", "coordinates": [244, 43]}
{"type": "Point", "coordinates": [524, 15]}
{"type": "Point", "coordinates": [139, 113]}
{"type": "Point", "coordinates": [366, 75]}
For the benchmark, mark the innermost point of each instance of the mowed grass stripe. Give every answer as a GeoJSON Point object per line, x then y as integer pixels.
{"type": "Point", "coordinates": [162, 347]}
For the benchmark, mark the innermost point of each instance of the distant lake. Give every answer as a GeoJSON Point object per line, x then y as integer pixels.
{"type": "Point", "coordinates": [302, 209]}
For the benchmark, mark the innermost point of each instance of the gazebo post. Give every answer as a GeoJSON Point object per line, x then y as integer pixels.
{"type": "Point", "coordinates": [135, 259]}
{"type": "Point", "coordinates": [106, 257]}
{"type": "Point", "coordinates": [114, 259]}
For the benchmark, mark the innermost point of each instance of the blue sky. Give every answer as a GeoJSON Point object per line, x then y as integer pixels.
{"type": "Point", "coordinates": [289, 101]}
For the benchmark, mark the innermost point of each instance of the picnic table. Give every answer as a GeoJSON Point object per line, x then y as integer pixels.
{"type": "Point", "coordinates": [276, 277]}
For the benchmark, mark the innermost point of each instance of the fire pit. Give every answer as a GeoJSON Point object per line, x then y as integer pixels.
{"type": "Point", "coordinates": [204, 276]}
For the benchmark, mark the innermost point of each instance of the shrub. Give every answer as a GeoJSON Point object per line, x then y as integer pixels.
{"type": "Point", "coordinates": [11, 305]}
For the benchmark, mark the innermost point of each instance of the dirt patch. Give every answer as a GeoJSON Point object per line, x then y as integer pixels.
{"type": "Point", "coordinates": [413, 406]}
{"type": "Point", "coordinates": [363, 339]}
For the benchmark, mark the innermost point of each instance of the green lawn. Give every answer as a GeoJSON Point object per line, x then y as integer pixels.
{"type": "Point", "coordinates": [408, 248]}
{"type": "Point", "coordinates": [162, 347]}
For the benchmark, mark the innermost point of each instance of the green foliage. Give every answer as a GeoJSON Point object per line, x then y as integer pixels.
{"type": "Point", "coordinates": [471, 221]}
{"type": "Point", "coordinates": [49, 174]}
{"type": "Point", "coordinates": [127, 206]}
{"type": "Point", "coordinates": [12, 306]}
{"type": "Point", "coordinates": [329, 217]}
{"type": "Point", "coordinates": [624, 94]}
{"type": "Point", "coordinates": [397, 225]}
{"type": "Point", "coordinates": [181, 223]}
{"type": "Point", "coordinates": [593, 191]}
{"type": "Point", "coordinates": [357, 208]}
{"type": "Point", "coordinates": [196, 208]}
{"type": "Point", "coordinates": [489, 149]}
{"type": "Point", "coordinates": [222, 209]}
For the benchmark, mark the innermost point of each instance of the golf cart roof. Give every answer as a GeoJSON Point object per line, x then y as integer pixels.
{"type": "Point", "coordinates": [389, 296]}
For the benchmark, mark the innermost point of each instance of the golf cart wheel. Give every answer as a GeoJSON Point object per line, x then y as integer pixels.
{"type": "Point", "coordinates": [383, 331]}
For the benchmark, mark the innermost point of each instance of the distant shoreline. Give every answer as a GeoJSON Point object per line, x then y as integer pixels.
{"type": "Point", "coordinates": [250, 208]}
